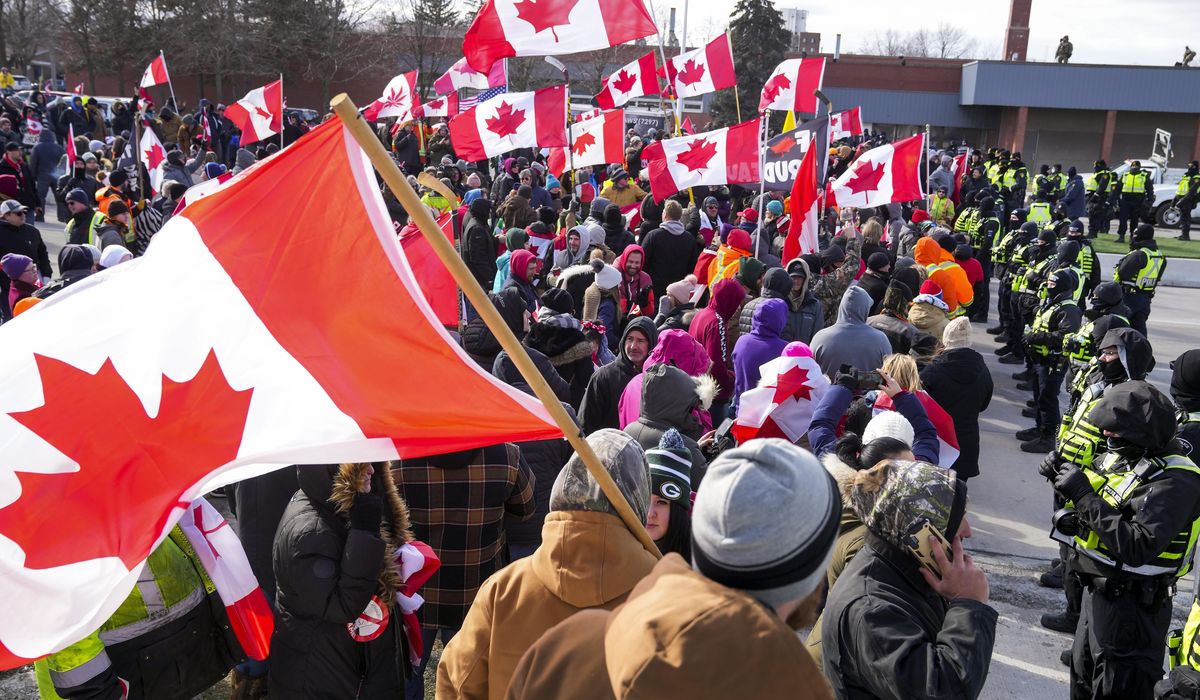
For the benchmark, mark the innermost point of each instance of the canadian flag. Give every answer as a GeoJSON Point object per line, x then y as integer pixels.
{"type": "Point", "coordinates": [398, 100]}
{"type": "Point", "coordinates": [152, 155]}
{"type": "Point", "coordinates": [245, 359]}
{"type": "Point", "coordinates": [632, 80]}
{"type": "Point", "coordinates": [791, 85]}
{"type": "Point", "coordinates": [156, 73]}
{"type": "Point", "coordinates": [446, 106]}
{"type": "Point", "coordinates": [843, 125]}
{"type": "Point", "coordinates": [725, 156]}
{"type": "Point", "coordinates": [593, 142]}
{"type": "Point", "coordinates": [947, 437]}
{"type": "Point", "coordinates": [888, 173]}
{"type": "Point", "coordinates": [781, 406]}
{"type": "Point", "coordinates": [78, 89]}
{"type": "Point", "coordinates": [460, 75]}
{"type": "Point", "coordinates": [512, 121]}
{"type": "Point", "coordinates": [802, 230]}
{"type": "Point", "coordinates": [960, 171]}
{"type": "Point", "coordinates": [260, 113]}
{"type": "Point", "coordinates": [699, 71]}
{"type": "Point", "coordinates": [505, 28]}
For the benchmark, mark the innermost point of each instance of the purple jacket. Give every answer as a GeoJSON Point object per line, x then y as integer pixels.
{"type": "Point", "coordinates": [762, 345]}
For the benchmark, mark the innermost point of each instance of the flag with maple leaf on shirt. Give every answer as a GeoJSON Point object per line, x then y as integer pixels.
{"type": "Point", "coordinates": [399, 99]}
{"type": "Point", "coordinates": [703, 70]}
{"type": "Point", "coordinates": [885, 174]}
{"type": "Point", "coordinates": [506, 28]}
{"type": "Point", "coordinates": [251, 354]}
{"type": "Point", "coordinates": [632, 80]}
{"type": "Point", "coordinates": [461, 75]}
{"type": "Point", "coordinates": [516, 120]}
{"type": "Point", "coordinates": [791, 85]}
{"type": "Point", "coordinates": [593, 142]}
{"type": "Point", "coordinates": [259, 114]}
{"type": "Point", "coordinates": [726, 156]}
{"type": "Point", "coordinates": [781, 406]}
{"type": "Point", "coordinates": [446, 106]}
{"type": "Point", "coordinates": [153, 156]}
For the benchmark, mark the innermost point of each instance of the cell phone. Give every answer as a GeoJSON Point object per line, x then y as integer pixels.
{"type": "Point", "coordinates": [867, 379]}
{"type": "Point", "coordinates": [917, 541]}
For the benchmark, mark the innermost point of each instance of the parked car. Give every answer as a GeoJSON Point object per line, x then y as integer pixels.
{"type": "Point", "coordinates": [1165, 181]}
{"type": "Point", "coordinates": [309, 116]}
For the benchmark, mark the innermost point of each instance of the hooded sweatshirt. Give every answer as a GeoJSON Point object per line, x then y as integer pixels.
{"type": "Point", "coordinates": [776, 284]}
{"type": "Point", "coordinates": [851, 341]}
{"type": "Point", "coordinates": [713, 329]}
{"type": "Point", "coordinates": [636, 291]}
{"type": "Point", "coordinates": [760, 346]}
{"type": "Point", "coordinates": [675, 347]}
{"type": "Point", "coordinates": [514, 240]}
{"type": "Point", "coordinates": [671, 253]}
{"type": "Point", "coordinates": [956, 289]}
{"type": "Point", "coordinates": [518, 277]}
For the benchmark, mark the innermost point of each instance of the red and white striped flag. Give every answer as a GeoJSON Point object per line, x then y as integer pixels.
{"type": "Point", "coordinates": [947, 437]}
{"type": "Point", "coordinates": [720, 157]}
{"type": "Point", "coordinates": [632, 80]}
{"type": "Point", "coordinates": [791, 85]}
{"type": "Point", "coordinates": [399, 99]}
{"type": "Point", "coordinates": [152, 155]}
{"type": "Point", "coordinates": [516, 120]}
{"type": "Point", "coordinates": [802, 230]}
{"type": "Point", "coordinates": [782, 405]}
{"type": "Point", "coordinates": [888, 173]}
{"type": "Point", "coordinates": [505, 28]}
{"type": "Point", "coordinates": [703, 70]}
{"type": "Point", "coordinates": [260, 113]}
{"type": "Point", "coordinates": [593, 142]}
{"type": "Point", "coordinates": [460, 75]}
{"type": "Point", "coordinates": [156, 73]}
{"type": "Point", "coordinates": [843, 125]}
{"type": "Point", "coordinates": [250, 371]}
{"type": "Point", "coordinates": [446, 106]}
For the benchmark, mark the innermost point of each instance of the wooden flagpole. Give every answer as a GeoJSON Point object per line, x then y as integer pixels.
{"type": "Point", "coordinates": [170, 85]}
{"type": "Point", "coordinates": [353, 121]}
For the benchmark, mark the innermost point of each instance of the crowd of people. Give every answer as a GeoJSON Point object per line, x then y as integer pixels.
{"type": "Point", "coordinates": [651, 320]}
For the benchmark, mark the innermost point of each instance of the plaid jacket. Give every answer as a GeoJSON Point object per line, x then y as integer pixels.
{"type": "Point", "coordinates": [459, 510]}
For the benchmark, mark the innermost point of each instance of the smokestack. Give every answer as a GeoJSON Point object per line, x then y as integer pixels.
{"type": "Point", "coordinates": [672, 40]}
{"type": "Point", "coordinates": [1016, 40]}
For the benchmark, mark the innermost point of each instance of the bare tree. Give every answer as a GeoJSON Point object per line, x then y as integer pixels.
{"type": "Point", "coordinates": [944, 41]}
{"type": "Point", "coordinates": [26, 27]}
{"type": "Point", "coordinates": [949, 41]}
{"type": "Point", "coordinates": [338, 46]}
{"type": "Point", "coordinates": [888, 43]}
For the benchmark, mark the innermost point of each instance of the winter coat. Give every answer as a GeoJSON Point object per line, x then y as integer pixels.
{"type": "Point", "coordinates": [671, 253]}
{"type": "Point", "coordinates": [622, 198]}
{"type": "Point", "coordinates": [851, 341]}
{"type": "Point", "coordinates": [761, 345]}
{"type": "Point", "coordinates": [478, 245]}
{"type": "Point", "coordinates": [1074, 199]}
{"type": "Point", "coordinates": [928, 318]}
{"type": "Point", "coordinates": [407, 148]}
{"type": "Point", "coordinates": [714, 328]}
{"type": "Point", "coordinates": [679, 635]}
{"type": "Point", "coordinates": [669, 400]}
{"type": "Point", "coordinates": [44, 158]}
{"type": "Point", "coordinates": [876, 287]}
{"type": "Point", "coordinates": [23, 240]}
{"type": "Point", "coordinates": [327, 573]}
{"type": "Point", "coordinates": [678, 349]}
{"type": "Point", "coordinates": [259, 503]}
{"type": "Point", "coordinates": [568, 350]}
{"type": "Point", "coordinates": [586, 560]}
{"type": "Point", "coordinates": [776, 284]}
{"type": "Point", "coordinates": [600, 401]}
{"type": "Point", "coordinates": [616, 235]}
{"type": "Point", "coordinates": [516, 212]}
{"type": "Point", "coordinates": [904, 336]}
{"type": "Point", "coordinates": [479, 341]}
{"type": "Point", "coordinates": [886, 633]}
{"type": "Point", "coordinates": [16, 182]}
{"type": "Point", "coordinates": [956, 289]}
{"type": "Point", "coordinates": [959, 381]}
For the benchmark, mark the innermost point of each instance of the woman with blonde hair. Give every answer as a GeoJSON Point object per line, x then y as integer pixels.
{"type": "Point", "coordinates": [903, 368]}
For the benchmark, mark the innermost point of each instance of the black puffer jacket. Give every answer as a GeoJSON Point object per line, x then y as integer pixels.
{"type": "Point", "coordinates": [478, 245]}
{"type": "Point", "coordinates": [479, 341]}
{"type": "Point", "coordinates": [616, 235]}
{"type": "Point", "coordinates": [600, 401]}
{"type": "Point", "coordinates": [776, 284]}
{"type": "Point", "coordinates": [327, 573]}
{"type": "Point", "coordinates": [668, 397]}
{"type": "Point", "coordinates": [960, 382]}
{"type": "Point", "coordinates": [568, 350]}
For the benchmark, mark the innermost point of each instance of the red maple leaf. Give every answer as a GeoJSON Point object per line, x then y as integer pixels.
{"type": "Point", "coordinates": [698, 154]}
{"type": "Point", "coordinates": [866, 177]}
{"type": "Point", "coordinates": [623, 81]}
{"type": "Point", "coordinates": [692, 72]}
{"type": "Point", "coordinates": [546, 14]}
{"type": "Point", "coordinates": [129, 481]}
{"type": "Point", "coordinates": [506, 121]}
{"type": "Point", "coordinates": [792, 384]}
{"type": "Point", "coordinates": [434, 104]}
{"type": "Point", "coordinates": [262, 113]}
{"type": "Point", "coordinates": [154, 157]}
{"type": "Point", "coordinates": [785, 144]}
{"type": "Point", "coordinates": [581, 144]}
{"type": "Point", "coordinates": [774, 86]}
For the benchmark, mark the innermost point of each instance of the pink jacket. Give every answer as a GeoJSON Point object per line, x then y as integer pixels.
{"type": "Point", "coordinates": [675, 347]}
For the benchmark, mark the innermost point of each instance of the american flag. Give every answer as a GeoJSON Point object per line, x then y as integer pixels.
{"type": "Point", "coordinates": [468, 102]}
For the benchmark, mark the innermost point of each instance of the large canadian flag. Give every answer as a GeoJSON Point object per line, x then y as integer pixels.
{"type": "Point", "coordinates": [153, 156]}
{"type": "Point", "coordinates": [633, 80]}
{"type": "Point", "coordinates": [246, 358]}
{"type": "Point", "coordinates": [722, 157]}
{"type": "Point", "coordinates": [791, 85]}
{"type": "Point", "coordinates": [260, 113]}
{"type": "Point", "coordinates": [802, 232]}
{"type": "Point", "coordinates": [703, 70]}
{"type": "Point", "coordinates": [948, 450]}
{"type": "Point", "coordinates": [782, 405]}
{"type": "Point", "coordinates": [445, 106]}
{"type": "Point", "coordinates": [460, 75]}
{"type": "Point", "coordinates": [512, 121]}
{"type": "Point", "coordinates": [156, 73]}
{"type": "Point", "coordinates": [505, 28]}
{"type": "Point", "coordinates": [888, 173]}
{"type": "Point", "coordinates": [843, 125]}
{"type": "Point", "coordinates": [593, 142]}
{"type": "Point", "coordinates": [398, 99]}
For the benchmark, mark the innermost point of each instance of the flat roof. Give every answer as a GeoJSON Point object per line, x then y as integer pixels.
{"type": "Point", "coordinates": [1080, 86]}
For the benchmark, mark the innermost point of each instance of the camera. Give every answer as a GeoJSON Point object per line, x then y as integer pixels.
{"type": "Point", "coordinates": [1066, 522]}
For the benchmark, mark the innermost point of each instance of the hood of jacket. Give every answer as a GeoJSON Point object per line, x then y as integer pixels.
{"type": "Point", "coordinates": [47, 136]}
{"type": "Point", "coordinates": [1134, 351]}
{"type": "Point", "coordinates": [562, 344]}
{"type": "Point", "coordinates": [894, 495]}
{"type": "Point", "coordinates": [518, 264]}
{"type": "Point", "coordinates": [770, 316]}
{"type": "Point", "coordinates": [855, 307]}
{"type": "Point", "coordinates": [244, 159]}
{"type": "Point", "coordinates": [800, 295]}
{"type": "Point", "coordinates": [776, 284]}
{"type": "Point", "coordinates": [588, 559]}
{"type": "Point", "coordinates": [643, 324]}
{"type": "Point", "coordinates": [1185, 380]}
{"type": "Point", "coordinates": [1137, 412]}
{"type": "Point", "coordinates": [676, 347]}
{"type": "Point", "coordinates": [624, 258]}
{"type": "Point", "coordinates": [675, 228]}
{"type": "Point", "coordinates": [668, 396]}
{"type": "Point", "coordinates": [727, 298]}
{"type": "Point", "coordinates": [928, 252]}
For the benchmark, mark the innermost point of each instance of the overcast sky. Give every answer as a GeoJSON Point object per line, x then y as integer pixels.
{"type": "Point", "coordinates": [1148, 32]}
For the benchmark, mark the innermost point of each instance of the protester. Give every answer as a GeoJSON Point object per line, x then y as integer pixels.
{"type": "Point", "coordinates": [676, 308]}
{"type": "Point", "coordinates": [937, 257]}
{"type": "Point", "coordinates": [616, 234]}
{"type": "Point", "coordinates": [515, 239]}
{"type": "Point", "coordinates": [669, 517]}
{"type": "Point", "coordinates": [875, 279]}
{"type": "Point", "coordinates": [603, 394]}
{"type": "Point", "coordinates": [715, 328]}
{"type": "Point", "coordinates": [959, 381]}
{"type": "Point", "coordinates": [929, 312]}
{"type": "Point", "coordinates": [761, 345]}
{"type": "Point", "coordinates": [672, 400]}
{"type": "Point", "coordinates": [806, 314]}
{"type": "Point", "coordinates": [671, 252]}
{"type": "Point", "coordinates": [636, 288]}
{"type": "Point", "coordinates": [850, 341]}
{"type": "Point", "coordinates": [18, 237]}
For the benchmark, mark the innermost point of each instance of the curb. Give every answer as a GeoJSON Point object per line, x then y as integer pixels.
{"type": "Point", "coordinates": [1181, 272]}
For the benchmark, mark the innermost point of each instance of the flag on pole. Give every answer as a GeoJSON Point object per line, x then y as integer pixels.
{"type": "Point", "coordinates": [802, 231]}
{"type": "Point", "coordinates": [78, 89]}
{"type": "Point", "coordinates": [960, 171]}
{"type": "Point", "coordinates": [446, 106]}
{"type": "Point", "coordinates": [791, 85]}
{"type": "Point", "coordinates": [699, 71]}
{"type": "Point", "coordinates": [244, 359]}
{"type": "Point", "coordinates": [686, 127]}
{"type": "Point", "coordinates": [399, 99]}
{"type": "Point", "coordinates": [843, 125]}
{"type": "Point", "coordinates": [631, 80]}
{"type": "Point", "coordinates": [888, 173]}
{"type": "Point", "coordinates": [720, 157]}
{"type": "Point", "coordinates": [475, 100]}
{"type": "Point", "coordinates": [593, 142]}
{"type": "Point", "coordinates": [260, 113]}
{"type": "Point", "coordinates": [505, 28]}
{"type": "Point", "coordinates": [782, 405]}
{"type": "Point", "coordinates": [72, 156]}
{"type": "Point", "coordinates": [205, 129]}
{"type": "Point", "coordinates": [518, 120]}
{"type": "Point", "coordinates": [156, 73]}
{"type": "Point", "coordinates": [152, 155]}
{"type": "Point", "coordinates": [460, 75]}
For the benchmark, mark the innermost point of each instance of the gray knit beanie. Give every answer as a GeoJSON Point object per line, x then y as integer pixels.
{"type": "Point", "coordinates": [765, 521]}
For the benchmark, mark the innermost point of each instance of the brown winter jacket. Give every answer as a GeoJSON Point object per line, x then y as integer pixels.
{"type": "Point", "coordinates": [680, 635]}
{"type": "Point", "coordinates": [928, 318]}
{"type": "Point", "coordinates": [586, 560]}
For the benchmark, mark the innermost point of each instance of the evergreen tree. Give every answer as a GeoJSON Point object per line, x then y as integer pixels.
{"type": "Point", "coordinates": [436, 13]}
{"type": "Point", "coordinates": [760, 42]}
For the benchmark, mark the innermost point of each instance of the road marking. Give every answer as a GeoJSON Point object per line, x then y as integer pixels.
{"type": "Point", "coordinates": [1050, 673]}
{"type": "Point", "coordinates": [1057, 636]}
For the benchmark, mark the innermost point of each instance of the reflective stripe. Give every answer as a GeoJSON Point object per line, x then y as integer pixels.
{"type": "Point", "coordinates": [151, 595]}
{"type": "Point", "coordinates": [82, 673]}
{"type": "Point", "coordinates": [136, 629]}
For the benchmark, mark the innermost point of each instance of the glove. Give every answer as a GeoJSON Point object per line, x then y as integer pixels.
{"type": "Point", "coordinates": [1050, 466]}
{"type": "Point", "coordinates": [1031, 339]}
{"type": "Point", "coordinates": [1071, 344]}
{"type": "Point", "coordinates": [1071, 484]}
{"type": "Point", "coordinates": [367, 512]}
{"type": "Point", "coordinates": [846, 380]}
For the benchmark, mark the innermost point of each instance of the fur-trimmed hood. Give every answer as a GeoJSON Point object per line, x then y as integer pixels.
{"type": "Point", "coordinates": [843, 474]}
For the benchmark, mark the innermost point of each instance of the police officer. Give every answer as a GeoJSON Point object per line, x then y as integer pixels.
{"type": "Point", "coordinates": [1058, 181]}
{"type": "Point", "coordinates": [1043, 186]}
{"type": "Point", "coordinates": [1089, 264]}
{"type": "Point", "coordinates": [1186, 196]}
{"type": "Point", "coordinates": [984, 234]}
{"type": "Point", "coordinates": [1138, 273]}
{"type": "Point", "coordinates": [1015, 180]}
{"type": "Point", "coordinates": [1105, 310]}
{"type": "Point", "coordinates": [1098, 187]}
{"type": "Point", "coordinates": [1057, 316]}
{"type": "Point", "coordinates": [1003, 251]}
{"type": "Point", "coordinates": [1040, 210]}
{"type": "Point", "coordinates": [1132, 520]}
{"type": "Point", "coordinates": [1025, 265]}
{"type": "Point", "coordinates": [1133, 191]}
